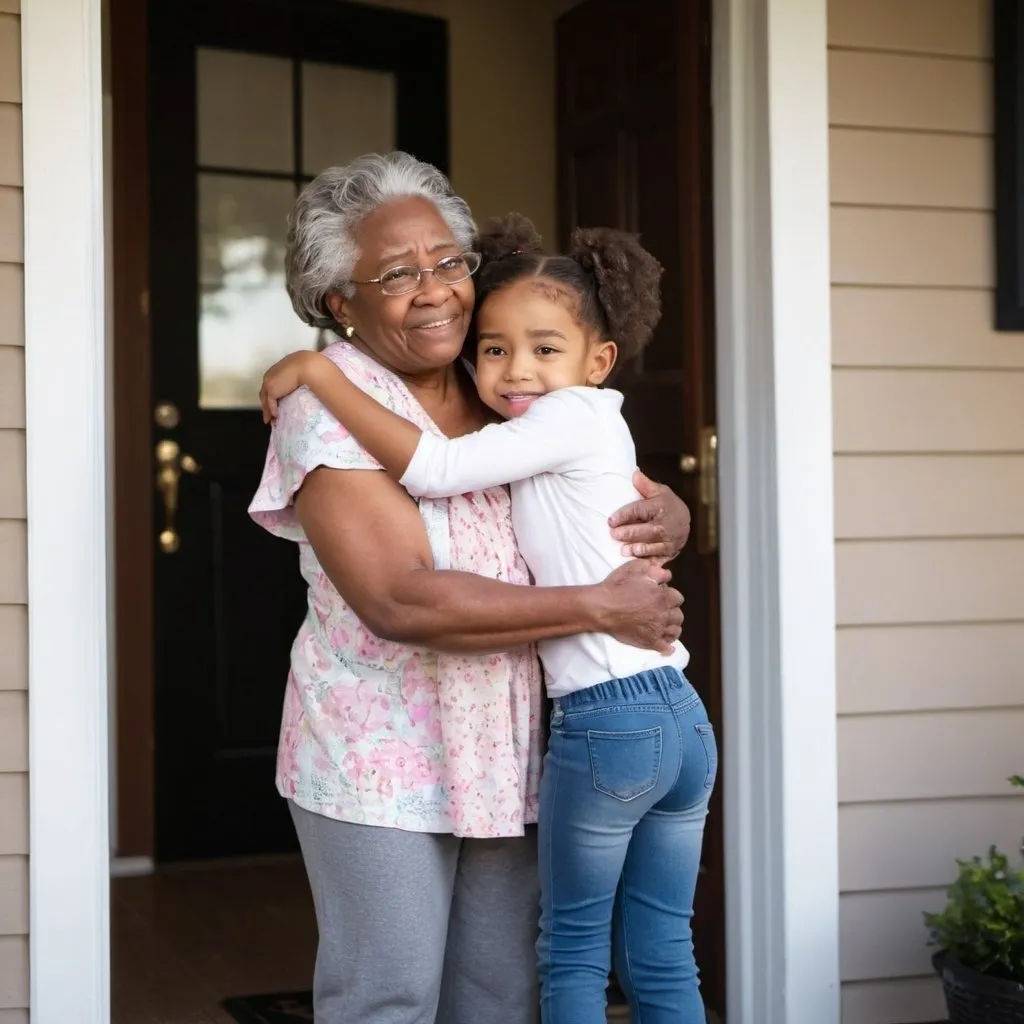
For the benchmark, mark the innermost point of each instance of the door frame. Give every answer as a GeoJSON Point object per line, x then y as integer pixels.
{"type": "Point", "coordinates": [132, 688]}
{"type": "Point", "coordinates": [769, 86]}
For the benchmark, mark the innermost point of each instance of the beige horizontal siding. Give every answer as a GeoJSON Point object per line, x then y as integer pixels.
{"type": "Point", "coordinates": [904, 1000]}
{"type": "Point", "coordinates": [13, 971]}
{"type": "Point", "coordinates": [929, 487]}
{"type": "Point", "coordinates": [12, 242]}
{"type": "Point", "coordinates": [13, 895]}
{"type": "Point", "coordinates": [14, 830]}
{"type": "Point", "coordinates": [14, 813]}
{"type": "Point", "coordinates": [12, 387]}
{"type": "Point", "coordinates": [900, 582]}
{"type": "Point", "coordinates": [882, 934]}
{"type": "Point", "coordinates": [12, 474]}
{"type": "Point", "coordinates": [919, 328]}
{"type": "Point", "coordinates": [915, 843]}
{"type": "Point", "coordinates": [13, 731]}
{"type": "Point", "coordinates": [12, 303]}
{"type": "Point", "coordinates": [878, 496]}
{"type": "Point", "coordinates": [930, 756]}
{"type": "Point", "coordinates": [13, 558]}
{"type": "Point", "coordinates": [930, 667]}
{"type": "Point", "coordinates": [884, 90]}
{"type": "Point", "coordinates": [912, 248]}
{"type": "Point", "coordinates": [10, 144]}
{"type": "Point", "coordinates": [928, 411]}
{"type": "Point", "coordinates": [10, 59]}
{"type": "Point", "coordinates": [887, 168]}
{"type": "Point", "coordinates": [14, 645]}
{"type": "Point", "coordinates": [952, 27]}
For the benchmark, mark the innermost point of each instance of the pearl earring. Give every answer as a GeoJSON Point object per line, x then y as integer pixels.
{"type": "Point", "coordinates": [349, 331]}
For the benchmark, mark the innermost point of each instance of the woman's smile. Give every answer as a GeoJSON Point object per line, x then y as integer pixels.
{"type": "Point", "coordinates": [436, 325]}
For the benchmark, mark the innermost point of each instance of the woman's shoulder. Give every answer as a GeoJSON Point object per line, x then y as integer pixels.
{"type": "Point", "coordinates": [362, 369]}
{"type": "Point", "coordinates": [306, 436]}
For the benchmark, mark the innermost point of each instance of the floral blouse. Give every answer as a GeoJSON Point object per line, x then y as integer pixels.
{"type": "Point", "coordinates": [384, 733]}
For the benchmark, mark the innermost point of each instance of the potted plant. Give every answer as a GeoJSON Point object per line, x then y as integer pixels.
{"type": "Point", "coordinates": [980, 940]}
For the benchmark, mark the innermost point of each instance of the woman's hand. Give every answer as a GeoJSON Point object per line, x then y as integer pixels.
{"type": "Point", "coordinates": [284, 377]}
{"type": "Point", "coordinates": [639, 608]}
{"type": "Point", "coordinates": [656, 527]}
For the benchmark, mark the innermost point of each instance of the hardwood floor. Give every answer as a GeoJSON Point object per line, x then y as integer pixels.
{"type": "Point", "coordinates": [184, 939]}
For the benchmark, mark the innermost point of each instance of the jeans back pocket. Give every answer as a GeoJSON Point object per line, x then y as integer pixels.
{"type": "Point", "coordinates": [706, 732]}
{"type": "Point", "coordinates": [625, 765]}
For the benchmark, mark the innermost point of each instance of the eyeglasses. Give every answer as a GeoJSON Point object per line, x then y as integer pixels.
{"type": "Point", "coordinates": [450, 270]}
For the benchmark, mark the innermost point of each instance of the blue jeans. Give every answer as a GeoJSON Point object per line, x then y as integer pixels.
{"type": "Point", "coordinates": [627, 778]}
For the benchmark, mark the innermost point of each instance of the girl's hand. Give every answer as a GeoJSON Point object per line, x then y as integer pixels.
{"type": "Point", "coordinates": [657, 526]}
{"type": "Point", "coordinates": [284, 377]}
{"type": "Point", "coordinates": [639, 609]}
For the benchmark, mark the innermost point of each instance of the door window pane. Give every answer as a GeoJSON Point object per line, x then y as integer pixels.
{"type": "Point", "coordinates": [345, 112]}
{"type": "Point", "coordinates": [244, 107]}
{"type": "Point", "coordinates": [246, 321]}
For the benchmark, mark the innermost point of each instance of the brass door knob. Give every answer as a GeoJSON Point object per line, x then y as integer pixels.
{"type": "Point", "coordinates": [166, 416]}
{"type": "Point", "coordinates": [170, 464]}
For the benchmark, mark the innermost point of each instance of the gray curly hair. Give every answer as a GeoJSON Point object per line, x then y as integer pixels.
{"type": "Point", "coordinates": [322, 252]}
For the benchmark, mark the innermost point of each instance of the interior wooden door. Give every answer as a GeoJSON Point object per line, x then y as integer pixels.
{"type": "Point", "coordinates": [248, 100]}
{"type": "Point", "coordinates": [634, 153]}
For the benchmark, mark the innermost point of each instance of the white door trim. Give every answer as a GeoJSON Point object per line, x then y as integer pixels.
{"type": "Point", "coordinates": [67, 511]}
{"type": "Point", "coordinates": [775, 428]}
{"type": "Point", "coordinates": [770, 96]}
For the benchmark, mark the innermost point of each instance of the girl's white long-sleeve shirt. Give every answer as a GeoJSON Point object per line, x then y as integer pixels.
{"type": "Point", "coordinates": [570, 461]}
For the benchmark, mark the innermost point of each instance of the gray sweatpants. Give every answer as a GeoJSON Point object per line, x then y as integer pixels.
{"type": "Point", "coordinates": [420, 928]}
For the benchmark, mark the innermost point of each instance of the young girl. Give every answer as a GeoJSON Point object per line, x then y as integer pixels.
{"type": "Point", "coordinates": [632, 758]}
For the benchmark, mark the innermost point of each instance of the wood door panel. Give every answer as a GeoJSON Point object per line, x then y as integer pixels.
{"type": "Point", "coordinates": [657, 219]}
{"type": "Point", "coordinates": [595, 181]}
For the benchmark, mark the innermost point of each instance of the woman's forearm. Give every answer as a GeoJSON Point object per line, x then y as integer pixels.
{"type": "Point", "coordinates": [463, 612]}
{"type": "Point", "coordinates": [370, 541]}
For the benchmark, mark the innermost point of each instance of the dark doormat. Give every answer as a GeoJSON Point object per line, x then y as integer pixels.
{"type": "Point", "coordinates": [275, 1008]}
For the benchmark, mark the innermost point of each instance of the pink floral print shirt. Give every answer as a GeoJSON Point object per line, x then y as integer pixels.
{"type": "Point", "coordinates": [383, 733]}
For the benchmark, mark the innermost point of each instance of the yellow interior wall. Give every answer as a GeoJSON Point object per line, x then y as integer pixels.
{"type": "Point", "coordinates": [502, 103]}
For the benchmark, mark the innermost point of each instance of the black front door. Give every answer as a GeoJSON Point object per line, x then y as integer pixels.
{"type": "Point", "coordinates": [248, 100]}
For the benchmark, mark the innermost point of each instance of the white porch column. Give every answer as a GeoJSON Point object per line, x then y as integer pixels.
{"type": "Point", "coordinates": [770, 94]}
{"type": "Point", "coordinates": [65, 436]}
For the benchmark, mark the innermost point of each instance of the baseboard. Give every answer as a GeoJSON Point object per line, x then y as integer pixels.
{"type": "Point", "coordinates": [130, 867]}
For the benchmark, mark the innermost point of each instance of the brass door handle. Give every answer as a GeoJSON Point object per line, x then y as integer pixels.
{"type": "Point", "coordinates": [706, 463]}
{"type": "Point", "coordinates": [170, 464]}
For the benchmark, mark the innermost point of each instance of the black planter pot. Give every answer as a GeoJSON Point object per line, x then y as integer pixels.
{"type": "Point", "coordinates": [973, 998]}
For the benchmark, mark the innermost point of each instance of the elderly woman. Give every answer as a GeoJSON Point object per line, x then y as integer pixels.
{"type": "Point", "coordinates": [410, 745]}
